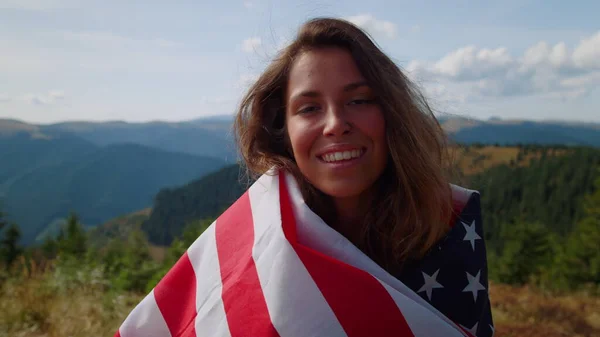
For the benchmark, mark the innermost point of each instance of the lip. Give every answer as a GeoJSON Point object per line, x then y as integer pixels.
{"type": "Point", "coordinates": [339, 148]}
{"type": "Point", "coordinates": [345, 164]}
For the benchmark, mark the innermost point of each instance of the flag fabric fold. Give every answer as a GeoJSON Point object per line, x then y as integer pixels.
{"type": "Point", "coordinates": [269, 266]}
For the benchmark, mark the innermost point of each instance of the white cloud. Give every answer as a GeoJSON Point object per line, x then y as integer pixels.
{"type": "Point", "coordinates": [4, 98]}
{"type": "Point", "coordinates": [248, 4]}
{"type": "Point", "coordinates": [543, 69]}
{"type": "Point", "coordinates": [587, 53]}
{"type": "Point", "coordinates": [251, 45]}
{"type": "Point", "coordinates": [415, 29]}
{"type": "Point", "coordinates": [51, 97]}
{"type": "Point", "coordinates": [445, 94]}
{"type": "Point", "coordinates": [582, 80]}
{"type": "Point", "coordinates": [470, 63]}
{"type": "Point", "coordinates": [373, 25]}
{"type": "Point", "coordinates": [542, 54]}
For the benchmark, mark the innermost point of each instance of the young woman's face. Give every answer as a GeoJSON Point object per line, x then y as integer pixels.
{"type": "Point", "coordinates": [335, 126]}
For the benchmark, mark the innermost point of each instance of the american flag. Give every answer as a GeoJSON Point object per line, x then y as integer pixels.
{"type": "Point", "coordinates": [269, 266]}
{"type": "Point", "coordinates": [453, 276]}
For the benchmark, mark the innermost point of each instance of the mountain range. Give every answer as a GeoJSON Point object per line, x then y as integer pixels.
{"type": "Point", "coordinates": [211, 136]}
{"type": "Point", "coordinates": [205, 137]}
{"type": "Point", "coordinates": [45, 176]}
{"type": "Point", "coordinates": [512, 132]}
{"type": "Point", "coordinates": [105, 169]}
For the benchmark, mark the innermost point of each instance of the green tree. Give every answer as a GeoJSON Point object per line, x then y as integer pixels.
{"type": "Point", "coordinates": [9, 245]}
{"type": "Point", "coordinates": [72, 241]}
{"type": "Point", "coordinates": [580, 263]}
{"type": "Point", "coordinates": [178, 247]}
{"type": "Point", "coordinates": [546, 190]}
{"type": "Point", "coordinates": [49, 247]}
{"type": "Point", "coordinates": [200, 199]}
{"type": "Point", "coordinates": [528, 251]}
{"type": "Point", "coordinates": [3, 221]}
{"type": "Point", "coordinates": [129, 264]}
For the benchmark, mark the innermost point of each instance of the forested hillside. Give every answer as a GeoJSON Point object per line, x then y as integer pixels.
{"type": "Point", "coordinates": [548, 190]}
{"type": "Point", "coordinates": [21, 154]}
{"type": "Point", "coordinates": [200, 199]}
{"type": "Point", "coordinates": [526, 184]}
{"type": "Point", "coordinates": [43, 179]}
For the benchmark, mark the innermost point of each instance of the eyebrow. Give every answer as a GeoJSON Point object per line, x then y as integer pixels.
{"type": "Point", "coordinates": [347, 87]}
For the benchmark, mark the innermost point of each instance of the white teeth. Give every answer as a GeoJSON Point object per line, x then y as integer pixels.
{"type": "Point", "coordinates": [344, 155]}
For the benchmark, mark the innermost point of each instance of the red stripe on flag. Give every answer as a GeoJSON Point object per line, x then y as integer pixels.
{"type": "Point", "coordinates": [242, 295]}
{"type": "Point", "coordinates": [361, 304]}
{"type": "Point", "coordinates": [175, 296]}
{"type": "Point", "coordinates": [118, 334]}
{"type": "Point", "coordinates": [288, 221]}
{"type": "Point", "coordinates": [457, 208]}
{"type": "Point", "coordinates": [467, 332]}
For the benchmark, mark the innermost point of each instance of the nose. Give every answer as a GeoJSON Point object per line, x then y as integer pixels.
{"type": "Point", "coordinates": [336, 123]}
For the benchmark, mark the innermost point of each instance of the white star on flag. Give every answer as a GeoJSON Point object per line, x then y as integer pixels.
{"type": "Point", "coordinates": [472, 330]}
{"type": "Point", "coordinates": [470, 234]}
{"type": "Point", "coordinates": [474, 285]}
{"type": "Point", "coordinates": [430, 284]}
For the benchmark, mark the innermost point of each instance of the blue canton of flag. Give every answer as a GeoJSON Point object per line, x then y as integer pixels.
{"type": "Point", "coordinates": [453, 276]}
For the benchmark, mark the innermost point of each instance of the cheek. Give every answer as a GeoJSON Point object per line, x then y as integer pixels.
{"type": "Point", "coordinates": [300, 140]}
{"type": "Point", "coordinates": [381, 131]}
{"type": "Point", "coordinates": [373, 125]}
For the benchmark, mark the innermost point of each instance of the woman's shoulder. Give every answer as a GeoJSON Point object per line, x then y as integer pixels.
{"type": "Point", "coordinates": [461, 198]}
{"type": "Point", "coordinates": [453, 275]}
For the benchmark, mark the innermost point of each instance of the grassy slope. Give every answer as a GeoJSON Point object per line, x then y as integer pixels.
{"type": "Point", "coordinates": [476, 160]}
{"type": "Point", "coordinates": [523, 311]}
{"type": "Point", "coordinates": [120, 227]}
{"type": "Point", "coordinates": [39, 306]}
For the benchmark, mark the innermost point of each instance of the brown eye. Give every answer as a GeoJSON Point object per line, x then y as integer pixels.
{"type": "Point", "coordinates": [361, 101]}
{"type": "Point", "coordinates": [308, 109]}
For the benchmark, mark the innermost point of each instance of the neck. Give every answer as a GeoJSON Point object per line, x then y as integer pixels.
{"type": "Point", "coordinates": [350, 215]}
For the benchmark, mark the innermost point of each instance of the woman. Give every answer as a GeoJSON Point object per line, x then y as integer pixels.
{"type": "Point", "coordinates": [363, 155]}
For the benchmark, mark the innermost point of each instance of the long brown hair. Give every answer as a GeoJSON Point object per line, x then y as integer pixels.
{"type": "Point", "coordinates": [413, 203]}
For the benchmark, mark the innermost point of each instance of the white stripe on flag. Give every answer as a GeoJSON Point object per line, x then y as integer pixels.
{"type": "Point", "coordinates": [422, 322]}
{"type": "Point", "coordinates": [145, 320]}
{"type": "Point", "coordinates": [211, 319]}
{"type": "Point", "coordinates": [296, 306]}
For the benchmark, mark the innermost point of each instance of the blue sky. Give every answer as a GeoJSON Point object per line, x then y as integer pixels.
{"type": "Point", "coordinates": [178, 60]}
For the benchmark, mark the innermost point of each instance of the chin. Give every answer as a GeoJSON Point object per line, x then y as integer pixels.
{"type": "Point", "coordinates": [342, 190]}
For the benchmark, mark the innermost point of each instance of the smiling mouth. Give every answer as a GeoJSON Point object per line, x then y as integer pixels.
{"type": "Point", "coordinates": [341, 156]}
